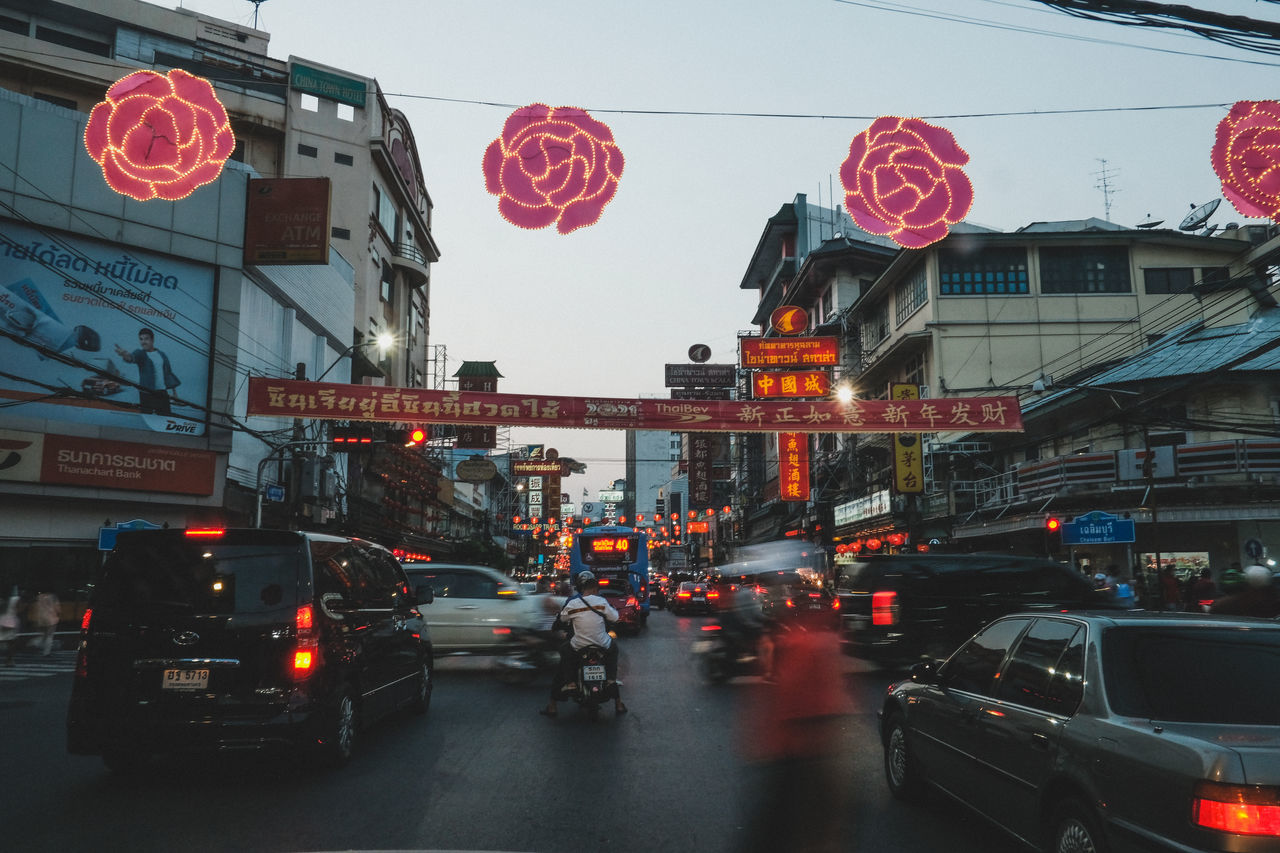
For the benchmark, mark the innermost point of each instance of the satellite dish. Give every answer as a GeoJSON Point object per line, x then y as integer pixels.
{"type": "Point", "coordinates": [1208, 230]}
{"type": "Point", "coordinates": [1199, 215]}
{"type": "Point", "coordinates": [1150, 223]}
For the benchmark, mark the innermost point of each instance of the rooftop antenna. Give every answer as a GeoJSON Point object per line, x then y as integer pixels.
{"type": "Point", "coordinates": [1104, 183]}
{"type": "Point", "coordinates": [256, 4]}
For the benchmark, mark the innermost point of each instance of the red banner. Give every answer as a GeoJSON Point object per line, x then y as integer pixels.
{"type": "Point", "coordinates": [793, 466]}
{"type": "Point", "coordinates": [781, 352]}
{"type": "Point", "coordinates": [293, 398]}
{"type": "Point", "coordinates": [804, 383]}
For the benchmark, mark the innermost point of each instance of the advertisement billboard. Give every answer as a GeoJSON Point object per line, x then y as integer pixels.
{"type": "Point", "coordinates": [286, 221]}
{"type": "Point", "coordinates": [99, 333]}
{"type": "Point", "coordinates": [75, 461]}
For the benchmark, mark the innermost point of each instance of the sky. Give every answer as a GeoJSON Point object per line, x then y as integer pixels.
{"type": "Point", "coordinates": [1037, 98]}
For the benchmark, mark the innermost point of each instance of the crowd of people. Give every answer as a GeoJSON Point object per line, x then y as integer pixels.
{"type": "Point", "coordinates": [28, 620]}
{"type": "Point", "coordinates": [1250, 591]}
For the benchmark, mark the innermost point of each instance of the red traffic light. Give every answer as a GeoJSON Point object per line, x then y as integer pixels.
{"type": "Point", "coordinates": [414, 437]}
{"type": "Point", "coordinates": [1053, 525]}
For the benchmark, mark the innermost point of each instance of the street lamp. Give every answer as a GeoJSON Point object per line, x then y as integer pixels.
{"type": "Point", "coordinates": [383, 340]}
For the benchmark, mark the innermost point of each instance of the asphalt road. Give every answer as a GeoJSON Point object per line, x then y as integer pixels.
{"type": "Point", "coordinates": [483, 771]}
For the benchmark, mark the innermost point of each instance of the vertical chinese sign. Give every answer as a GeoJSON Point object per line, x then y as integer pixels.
{"type": "Point", "coordinates": [699, 470]}
{"type": "Point", "coordinates": [908, 450]}
{"type": "Point", "coordinates": [478, 376]}
{"type": "Point", "coordinates": [793, 466]}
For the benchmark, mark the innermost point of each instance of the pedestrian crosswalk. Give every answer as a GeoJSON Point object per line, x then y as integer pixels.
{"type": "Point", "coordinates": [31, 664]}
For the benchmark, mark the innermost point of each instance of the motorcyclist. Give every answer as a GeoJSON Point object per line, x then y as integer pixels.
{"type": "Point", "coordinates": [588, 616]}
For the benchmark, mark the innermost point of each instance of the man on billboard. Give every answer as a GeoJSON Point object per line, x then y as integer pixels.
{"type": "Point", "coordinates": [154, 374]}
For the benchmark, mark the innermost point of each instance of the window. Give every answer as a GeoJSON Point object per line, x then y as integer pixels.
{"type": "Point", "coordinates": [388, 283]}
{"type": "Point", "coordinates": [974, 667]}
{"type": "Point", "coordinates": [308, 150]}
{"type": "Point", "coordinates": [55, 100]}
{"type": "Point", "coordinates": [14, 25]}
{"type": "Point", "coordinates": [875, 325]}
{"type": "Point", "coordinates": [913, 369]}
{"type": "Point", "coordinates": [1215, 276]}
{"type": "Point", "coordinates": [237, 153]}
{"type": "Point", "coordinates": [987, 271]}
{"type": "Point", "coordinates": [346, 112]}
{"type": "Point", "coordinates": [1084, 269]}
{"type": "Point", "coordinates": [911, 294]}
{"type": "Point", "coordinates": [310, 103]}
{"type": "Point", "coordinates": [1170, 280]}
{"type": "Point", "coordinates": [340, 233]}
{"type": "Point", "coordinates": [828, 304]}
{"type": "Point", "coordinates": [75, 42]}
{"type": "Point", "coordinates": [343, 159]}
{"type": "Point", "coordinates": [1034, 667]}
{"type": "Point", "coordinates": [385, 211]}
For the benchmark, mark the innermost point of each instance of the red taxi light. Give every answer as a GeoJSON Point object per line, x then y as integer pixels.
{"type": "Point", "coordinates": [205, 532]}
{"type": "Point", "coordinates": [1239, 809]}
{"type": "Point", "coordinates": [884, 608]}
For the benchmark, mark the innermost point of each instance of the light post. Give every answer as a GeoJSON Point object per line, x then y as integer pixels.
{"type": "Point", "coordinates": [384, 341]}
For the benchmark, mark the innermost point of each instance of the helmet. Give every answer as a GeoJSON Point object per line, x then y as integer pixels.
{"type": "Point", "coordinates": [1257, 576]}
{"type": "Point", "coordinates": [1232, 579]}
{"type": "Point", "coordinates": [582, 579]}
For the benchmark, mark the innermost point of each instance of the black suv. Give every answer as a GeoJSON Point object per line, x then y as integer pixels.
{"type": "Point", "coordinates": [226, 639]}
{"type": "Point", "coordinates": [901, 608]}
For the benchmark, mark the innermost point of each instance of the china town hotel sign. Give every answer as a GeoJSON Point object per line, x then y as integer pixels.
{"type": "Point", "coordinates": [335, 401]}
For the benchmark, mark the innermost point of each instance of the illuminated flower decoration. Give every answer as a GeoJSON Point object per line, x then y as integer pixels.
{"type": "Point", "coordinates": [1246, 156]}
{"type": "Point", "coordinates": [158, 136]}
{"type": "Point", "coordinates": [903, 179]}
{"type": "Point", "coordinates": [552, 165]}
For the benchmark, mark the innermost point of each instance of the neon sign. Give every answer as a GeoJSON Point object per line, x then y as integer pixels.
{"type": "Point", "coordinates": [552, 165]}
{"type": "Point", "coordinates": [902, 179]}
{"type": "Point", "coordinates": [1245, 158]}
{"type": "Point", "coordinates": [158, 136]}
{"type": "Point", "coordinates": [608, 546]}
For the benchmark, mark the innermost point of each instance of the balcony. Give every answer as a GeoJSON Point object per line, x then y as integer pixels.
{"type": "Point", "coordinates": [412, 261]}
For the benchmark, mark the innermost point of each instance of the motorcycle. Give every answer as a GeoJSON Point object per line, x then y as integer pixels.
{"type": "Point", "coordinates": [532, 655]}
{"type": "Point", "coordinates": [722, 654]}
{"type": "Point", "coordinates": [590, 687]}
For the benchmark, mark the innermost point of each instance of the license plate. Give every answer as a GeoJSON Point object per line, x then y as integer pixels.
{"type": "Point", "coordinates": [699, 599]}
{"type": "Point", "coordinates": [593, 673]}
{"type": "Point", "coordinates": [186, 679]}
{"type": "Point", "coordinates": [700, 647]}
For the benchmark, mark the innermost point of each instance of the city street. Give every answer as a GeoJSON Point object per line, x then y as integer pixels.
{"type": "Point", "coordinates": [483, 771]}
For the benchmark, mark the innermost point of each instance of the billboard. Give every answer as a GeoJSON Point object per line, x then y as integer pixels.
{"type": "Point", "coordinates": [99, 333]}
{"type": "Point", "coordinates": [701, 375]}
{"type": "Point", "coordinates": [823, 351]}
{"type": "Point", "coordinates": [69, 460]}
{"type": "Point", "coordinates": [286, 221]}
{"type": "Point", "coordinates": [802, 383]}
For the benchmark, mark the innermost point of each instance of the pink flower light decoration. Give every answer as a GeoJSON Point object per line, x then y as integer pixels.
{"type": "Point", "coordinates": [1246, 154]}
{"type": "Point", "coordinates": [158, 136]}
{"type": "Point", "coordinates": [552, 165]}
{"type": "Point", "coordinates": [902, 179]}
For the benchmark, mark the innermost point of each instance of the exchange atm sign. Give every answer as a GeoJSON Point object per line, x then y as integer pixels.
{"type": "Point", "coordinates": [1097, 528]}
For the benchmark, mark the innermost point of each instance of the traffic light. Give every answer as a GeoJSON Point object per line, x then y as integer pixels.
{"type": "Point", "coordinates": [415, 436]}
{"type": "Point", "coordinates": [1052, 534]}
{"type": "Point", "coordinates": [351, 438]}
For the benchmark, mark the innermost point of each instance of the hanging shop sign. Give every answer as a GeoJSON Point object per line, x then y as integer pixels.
{"type": "Point", "coordinates": [908, 448]}
{"type": "Point", "coordinates": [793, 466]}
{"type": "Point", "coordinates": [335, 401]}
{"type": "Point", "coordinates": [807, 383]}
{"type": "Point", "coordinates": [701, 375]}
{"type": "Point", "coordinates": [823, 351]}
{"type": "Point", "coordinates": [789, 320]}
{"type": "Point", "coordinates": [286, 221]}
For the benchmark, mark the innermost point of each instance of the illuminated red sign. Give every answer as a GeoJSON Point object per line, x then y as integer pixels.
{"type": "Point", "coordinates": [789, 320]}
{"type": "Point", "coordinates": [902, 179]}
{"type": "Point", "coordinates": [1245, 157]}
{"type": "Point", "coordinates": [295, 398]}
{"type": "Point", "coordinates": [808, 383]}
{"type": "Point", "coordinates": [552, 166]}
{"type": "Point", "coordinates": [793, 466]}
{"type": "Point", "coordinates": [698, 527]}
{"type": "Point", "coordinates": [158, 136]}
{"type": "Point", "coordinates": [783, 352]}
{"type": "Point", "coordinates": [609, 546]}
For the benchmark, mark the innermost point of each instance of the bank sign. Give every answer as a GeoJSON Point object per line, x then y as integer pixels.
{"type": "Point", "coordinates": [1097, 528]}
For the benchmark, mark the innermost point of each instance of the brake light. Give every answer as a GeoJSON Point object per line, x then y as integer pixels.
{"type": "Point", "coordinates": [684, 595]}
{"type": "Point", "coordinates": [884, 608]}
{"type": "Point", "coordinates": [82, 666]}
{"type": "Point", "coordinates": [632, 602]}
{"type": "Point", "coordinates": [205, 532]}
{"type": "Point", "coordinates": [1239, 809]}
{"type": "Point", "coordinates": [305, 656]}
{"type": "Point", "coordinates": [711, 627]}
{"type": "Point", "coordinates": [835, 604]}
{"type": "Point", "coordinates": [86, 618]}
{"type": "Point", "coordinates": [713, 594]}
{"type": "Point", "coordinates": [501, 632]}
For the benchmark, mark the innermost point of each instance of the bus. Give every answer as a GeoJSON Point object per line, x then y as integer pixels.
{"type": "Point", "coordinates": [614, 554]}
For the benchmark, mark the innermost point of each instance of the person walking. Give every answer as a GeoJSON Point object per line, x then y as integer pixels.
{"type": "Point", "coordinates": [9, 624]}
{"type": "Point", "coordinates": [48, 612]}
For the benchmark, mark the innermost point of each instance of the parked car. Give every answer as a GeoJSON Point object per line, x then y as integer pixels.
{"type": "Point", "coordinates": [1101, 731]}
{"type": "Point", "coordinates": [898, 609]}
{"type": "Point", "coordinates": [693, 597]}
{"type": "Point", "coordinates": [475, 608]}
{"type": "Point", "coordinates": [228, 639]}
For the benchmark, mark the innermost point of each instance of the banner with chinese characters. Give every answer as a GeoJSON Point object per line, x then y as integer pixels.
{"type": "Point", "coordinates": [335, 401]}
{"type": "Point", "coordinates": [793, 466]}
{"type": "Point", "coordinates": [908, 448]}
{"type": "Point", "coordinates": [699, 445]}
{"type": "Point", "coordinates": [767, 384]}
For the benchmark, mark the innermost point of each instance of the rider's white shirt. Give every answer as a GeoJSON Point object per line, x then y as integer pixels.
{"type": "Point", "coordinates": [589, 629]}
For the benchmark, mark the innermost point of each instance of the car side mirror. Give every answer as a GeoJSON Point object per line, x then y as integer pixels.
{"type": "Point", "coordinates": [925, 672]}
{"type": "Point", "coordinates": [424, 593]}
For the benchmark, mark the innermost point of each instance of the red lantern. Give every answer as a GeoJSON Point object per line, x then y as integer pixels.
{"type": "Point", "coordinates": [874, 544]}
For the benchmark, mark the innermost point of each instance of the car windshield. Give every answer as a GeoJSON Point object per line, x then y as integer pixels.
{"type": "Point", "coordinates": [199, 577]}
{"type": "Point", "coordinates": [1195, 675]}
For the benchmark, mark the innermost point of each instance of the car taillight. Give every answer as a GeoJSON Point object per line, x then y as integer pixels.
{"type": "Point", "coordinates": [713, 594]}
{"type": "Point", "coordinates": [835, 604]}
{"type": "Point", "coordinates": [684, 595]}
{"type": "Point", "coordinates": [82, 667]}
{"type": "Point", "coordinates": [632, 602]}
{"type": "Point", "coordinates": [86, 619]}
{"type": "Point", "coordinates": [205, 532]}
{"type": "Point", "coordinates": [884, 608]}
{"type": "Point", "coordinates": [711, 627]}
{"type": "Point", "coordinates": [306, 655]}
{"type": "Point", "coordinates": [501, 632]}
{"type": "Point", "coordinates": [1239, 809]}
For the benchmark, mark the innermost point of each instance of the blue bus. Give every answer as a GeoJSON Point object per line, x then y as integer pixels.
{"type": "Point", "coordinates": [617, 555]}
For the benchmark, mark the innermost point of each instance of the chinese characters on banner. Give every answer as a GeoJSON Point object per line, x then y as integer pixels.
{"type": "Point", "coordinates": [334, 401]}
{"type": "Point", "coordinates": [699, 470]}
{"type": "Point", "coordinates": [793, 466]}
{"type": "Point", "coordinates": [908, 449]}
{"type": "Point", "coordinates": [806, 383]}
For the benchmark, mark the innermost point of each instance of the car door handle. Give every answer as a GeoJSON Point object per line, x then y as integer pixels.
{"type": "Point", "coordinates": [1040, 740]}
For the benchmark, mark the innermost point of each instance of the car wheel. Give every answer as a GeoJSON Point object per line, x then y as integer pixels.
{"type": "Point", "coordinates": [124, 762]}
{"type": "Point", "coordinates": [900, 769]}
{"type": "Point", "coordinates": [1074, 829]}
{"type": "Point", "coordinates": [338, 739]}
{"type": "Point", "coordinates": [426, 682]}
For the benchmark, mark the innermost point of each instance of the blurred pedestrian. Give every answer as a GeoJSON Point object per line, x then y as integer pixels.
{"type": "Point", "coordinates": [48, 612]}
{"type": "Point", "coordinates": [1170, 592]}
{"type": "Point", "coordinates": [1258, 598]}
{"type": "Point", "coordinates": [1203, 591]}
{"type": "Point", "coordinates": [9, 624]}
{"type": "Point", "coordinates": [795, 734]}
